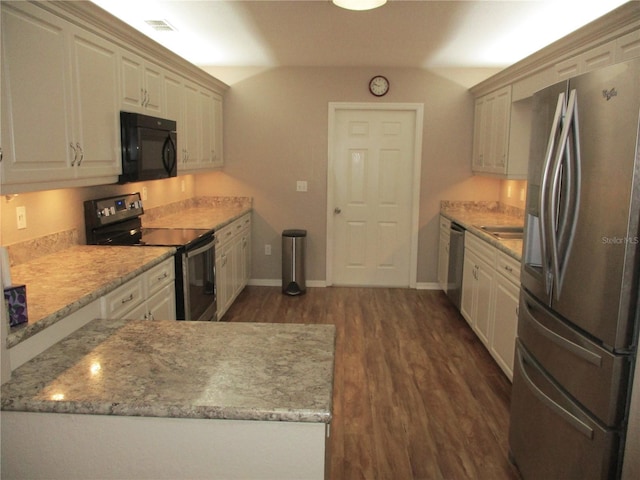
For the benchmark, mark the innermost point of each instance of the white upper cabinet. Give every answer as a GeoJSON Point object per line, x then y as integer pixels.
{"type": "Point", "coordinates": [58, 128]}
{"type": "Point", "coordinates": [142, 85]}
{"type": "Point", "coordinates": [491, 133]}
{"type": "Point", "coordinates": [64, 82]}
{"type": "Point", "coordinates": [96, 112]}
{"type": "Point", "coordinates": [201, 135]}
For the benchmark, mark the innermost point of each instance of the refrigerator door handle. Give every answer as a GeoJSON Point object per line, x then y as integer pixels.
{"type": "Point", "coordinates": [575, 422]}
{"type": "Point", "coordinates": [546, 228]}
{"type": "Point", "coordinates": [566, 175]}
{"type": "Point", "coordinates": [559, 340]}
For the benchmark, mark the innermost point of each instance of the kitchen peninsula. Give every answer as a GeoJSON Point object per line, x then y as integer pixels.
{"type": "Point", "coordinates": [139, 399]}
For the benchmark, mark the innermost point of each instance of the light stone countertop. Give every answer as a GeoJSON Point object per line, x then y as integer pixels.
{"type": "Point", "coordinates": [242, 371]}
{"type": "Point", "coordinates": [61, 283]}
{"type": "Point", "coordinates": [204, 217]}
{"type": "Point", "coordinates": [470, 219]}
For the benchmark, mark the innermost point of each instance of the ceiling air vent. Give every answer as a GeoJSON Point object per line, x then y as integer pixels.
{"type": "Point", "coordinates": [160, 25]}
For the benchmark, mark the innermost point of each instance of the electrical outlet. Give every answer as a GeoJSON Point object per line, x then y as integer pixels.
{"type": "Point", "coordinates": [509, 191]}
{"type": "Point", "coordinates": [301, 186]}
{"type": "Point", "coordinates": [182, 188]}
{"type": "Point", "coordinates": [144, 194]}
{"type": "Point", "coordinates": [21, 217]}
{"type": "Point", "coordinates": [267, 249]}
{"type": "Point", "coordinates": [522, 194]}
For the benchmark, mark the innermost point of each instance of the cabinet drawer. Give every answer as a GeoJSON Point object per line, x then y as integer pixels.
{"type": "Point", "coordinates": [509, 267]}
{"type": "Point", "coordinates": [160, 275]}
{"type": "Point", "coordinates": [224, 235]}
{"type": "Point", "coordinates": [123, 298]}
{"type": "Point", "coordinates": [483, 249]}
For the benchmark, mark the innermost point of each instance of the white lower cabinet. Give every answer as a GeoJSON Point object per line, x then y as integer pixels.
{"type": "Point", "coordinates": [478, 285]}
{"type": "Point", "coordinates": [490, 291]}
{"type": "Point", "coordinates": [233, 261]}
{"type": "Point", "coordinates": [149, 296]}
{"type": "Point", "coordinates": [507, 294]}
{"type": "Point", "coordinates": [443, 252]}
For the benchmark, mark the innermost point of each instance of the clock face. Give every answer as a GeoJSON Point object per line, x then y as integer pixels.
{"type": "Point", "coordinates": [379, 85]}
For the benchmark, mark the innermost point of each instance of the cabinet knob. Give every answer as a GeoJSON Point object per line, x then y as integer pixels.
{"type": "Point", "coordinates": [337, 210]}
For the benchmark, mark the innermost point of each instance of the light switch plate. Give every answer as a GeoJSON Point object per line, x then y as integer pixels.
{"type": "Point", "coordinates": [21, 217]}
{"type": "Point", "coordinates": [301, 186]}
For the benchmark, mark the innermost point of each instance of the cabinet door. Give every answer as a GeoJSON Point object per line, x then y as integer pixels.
{"type": "Point", "coordinates": [207, 118]}
{"type": "Point", "coordinates": [162, 305]}
{"type": "Point", "coordinates": [153, 89]}
{"type": "Point", "coordinates": [192, 135]}
{"type": "Point", "coordinates": [483, 315]}
{"type": "Point", "coordinates": [467, 307]}
{"type": "Point", "coordinates": [480, 133]}
{"type": "Point", "coordinates": [218, 158]}
{"type": "Point", "coordinates": [132, 82]}
{"type": "Point", "coordinates": [97, 119]}
{"type": "Point", "coordinates": [223, 283]}
{"type": "Point", "coordinates": [246, 257]}
{"type": "Point", "coordinates": [36, 98]}
{"type": "Point", "coordinates": [503, 336]}
{"type": "Point", "coordinates": [500, 113]}
{"type": "Point", "coordinates": [443, 259]}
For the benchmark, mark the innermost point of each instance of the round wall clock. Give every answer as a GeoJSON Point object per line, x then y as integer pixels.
{"type": "Point", "coordinates": [379, 85]}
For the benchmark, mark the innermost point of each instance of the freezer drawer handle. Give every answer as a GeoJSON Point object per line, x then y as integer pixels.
{"type": "Point", "coordinates": [562, 342]}
{"type": "Point", "coordinates": [581, 427]}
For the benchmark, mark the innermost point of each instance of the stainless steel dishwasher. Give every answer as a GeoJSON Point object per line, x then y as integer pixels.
{"type": "Point", "coordinates": [456, 260]}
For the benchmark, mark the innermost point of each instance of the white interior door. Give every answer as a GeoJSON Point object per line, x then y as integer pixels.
{"type": "Point", "coordinates": [374, 171]}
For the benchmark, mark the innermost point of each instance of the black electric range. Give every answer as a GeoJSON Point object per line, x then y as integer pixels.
{"type": "Point", "coordinates": [118, 221]}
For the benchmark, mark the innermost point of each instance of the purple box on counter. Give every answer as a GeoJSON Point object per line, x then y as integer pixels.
{"type": "Point", "coordinates": [15, 298]}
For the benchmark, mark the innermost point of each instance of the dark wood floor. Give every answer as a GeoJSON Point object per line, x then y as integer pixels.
{"type": "Point", "coordinates": [416, 395]}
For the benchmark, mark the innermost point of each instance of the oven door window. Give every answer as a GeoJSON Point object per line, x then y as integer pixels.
{"type": "Point", "coordinates": [200, 282]}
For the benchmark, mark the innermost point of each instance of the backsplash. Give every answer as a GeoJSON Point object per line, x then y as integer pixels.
{"type": "Point", "coordinates": [482, 206]}
{"type": "Point", "coordinates": [22, 252]}
{"type": "Point", "coordinates": [30, 249]}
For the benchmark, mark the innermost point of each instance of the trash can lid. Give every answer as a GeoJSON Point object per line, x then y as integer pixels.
{"type": "Point", "coordinates": [294, 233]}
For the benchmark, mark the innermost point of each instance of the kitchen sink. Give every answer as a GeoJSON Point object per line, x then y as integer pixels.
{"type": "Point", "coordinates": [503, 232]}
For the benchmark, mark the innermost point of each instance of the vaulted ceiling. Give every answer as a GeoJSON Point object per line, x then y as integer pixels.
{"type": "Point", "coordinates": [438, 35]}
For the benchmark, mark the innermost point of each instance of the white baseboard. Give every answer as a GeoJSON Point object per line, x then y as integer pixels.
{"type": "Point", "coordinates": [428, 286]}
{"type": "Point", "coordinates": [276, 282]}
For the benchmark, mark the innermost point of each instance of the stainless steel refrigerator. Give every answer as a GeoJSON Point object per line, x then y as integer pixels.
{"type": "Point", "coordinates": [578, 314]}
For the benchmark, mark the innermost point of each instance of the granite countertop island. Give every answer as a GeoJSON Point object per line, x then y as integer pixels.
{"type": "Point", "coordinates": [242, 371]}
{"type": "Point", "coordinates": [132, 399]}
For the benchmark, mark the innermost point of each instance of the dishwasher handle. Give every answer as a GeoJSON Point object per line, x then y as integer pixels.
{"type": "Point", "coordinates": [457, 229]}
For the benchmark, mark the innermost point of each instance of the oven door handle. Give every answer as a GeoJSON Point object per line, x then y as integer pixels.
{"type": "Point", "coordinates": [208, 246]}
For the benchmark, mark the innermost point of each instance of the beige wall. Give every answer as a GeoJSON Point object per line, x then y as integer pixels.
{"type": "Point", "coordinates": [276, 133]}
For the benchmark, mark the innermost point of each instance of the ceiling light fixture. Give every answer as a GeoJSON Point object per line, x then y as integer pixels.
{"type": "Point", "coordinates": [359, 4]}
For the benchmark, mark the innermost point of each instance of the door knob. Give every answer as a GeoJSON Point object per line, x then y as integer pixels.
{"type": "Point", "coordinates": [337, 210]}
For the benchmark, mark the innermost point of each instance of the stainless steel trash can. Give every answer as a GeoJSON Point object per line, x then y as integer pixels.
{"type": "Point", "coordinates": [293, 277]}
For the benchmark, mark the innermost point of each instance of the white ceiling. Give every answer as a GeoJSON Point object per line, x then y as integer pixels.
{"type": "Point", "coordinates": [444, 36]}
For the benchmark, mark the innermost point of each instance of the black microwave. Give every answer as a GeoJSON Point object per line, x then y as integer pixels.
{"type": "Point", "coordinates": [149, 147]}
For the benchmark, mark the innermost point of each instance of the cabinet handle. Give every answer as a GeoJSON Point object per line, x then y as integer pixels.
{"type": "Point", "coordinates": [163, 276]}
{"type": "Point", "coordinates": [1, 155]}
{"type": "Point", "coordinates": [508, 268]}
{"type": "Point", "coordinates": [128, 299]}
{"type": "Point", "coordinates": [75, 154]}
{"type": "Point", "coordinates": [81, 153]}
